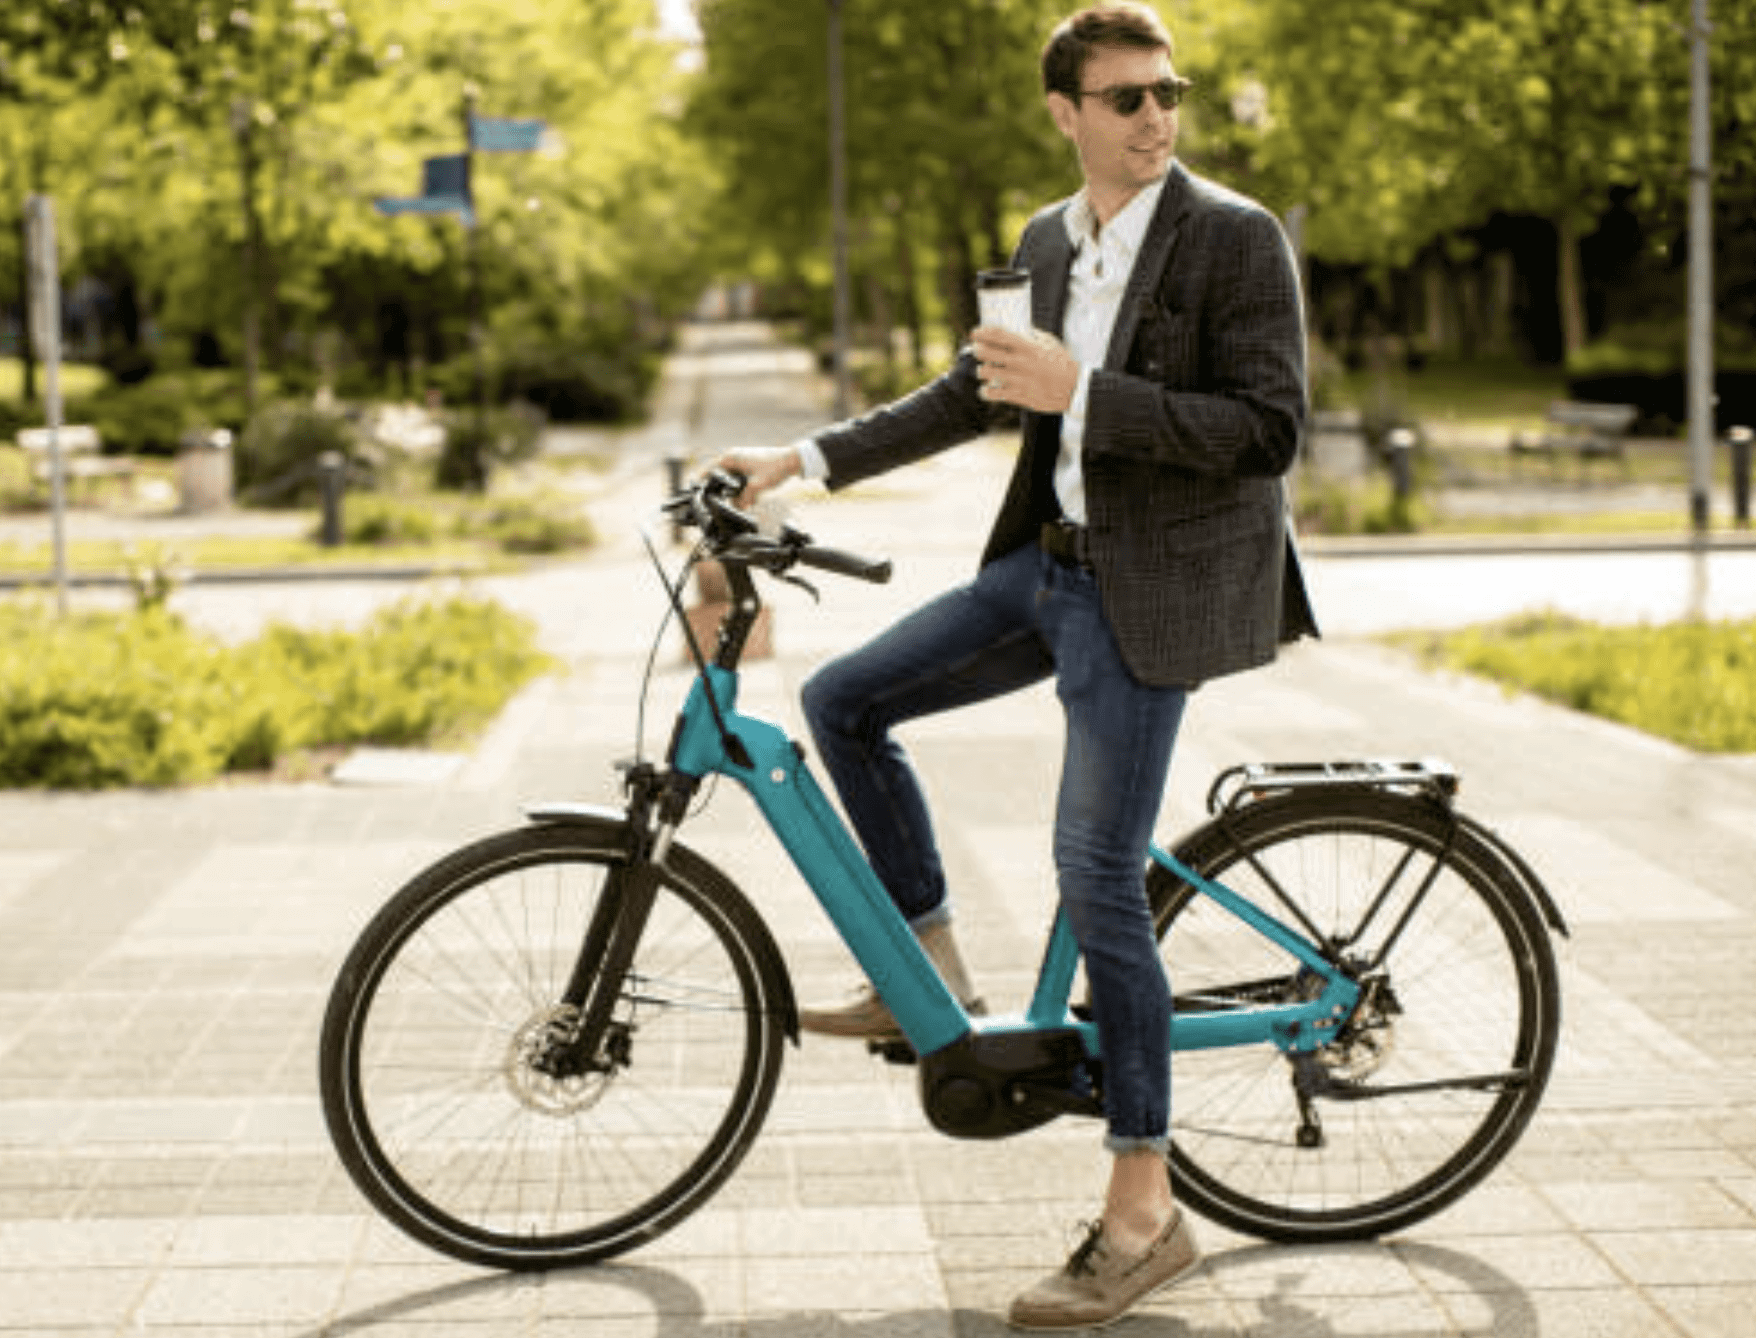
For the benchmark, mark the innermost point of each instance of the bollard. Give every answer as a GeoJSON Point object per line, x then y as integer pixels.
{"type": "Point", "coordinates": [332, 480]}
{"type": "Point", "coordinates": [1401, 446]}
{"type": "Point", "coordinates": [1741, 440]}
{"type": "Point", "coordinates": [673, 486]}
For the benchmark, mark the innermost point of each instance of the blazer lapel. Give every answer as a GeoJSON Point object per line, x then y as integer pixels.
{"type": "Point", "coordinates": [1049, 276]}
{"type": "Point", "coordinates": [1149, 265]}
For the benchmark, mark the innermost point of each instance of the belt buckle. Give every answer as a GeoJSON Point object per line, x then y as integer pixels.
{"type": "Point", "coordinates": [1069, 543]}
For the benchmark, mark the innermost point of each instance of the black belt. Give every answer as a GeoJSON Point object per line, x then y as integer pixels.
{"type": "Point", "coordinates": [1067, 543]}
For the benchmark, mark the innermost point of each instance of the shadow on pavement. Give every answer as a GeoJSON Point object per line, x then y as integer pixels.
{"type": "Point", "coordinates": [678, 1310]}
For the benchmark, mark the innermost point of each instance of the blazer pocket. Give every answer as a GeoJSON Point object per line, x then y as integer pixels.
{"type": "Point", "coordinates": [1233, 524]}
{"type": "Point", "coordinates": [1161, 345]}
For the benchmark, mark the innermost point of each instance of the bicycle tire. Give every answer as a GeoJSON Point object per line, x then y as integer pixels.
{"type": "Point", "coordinates": [432, 1100]}
{"type": "Point", "coordinates": [1471, 989]}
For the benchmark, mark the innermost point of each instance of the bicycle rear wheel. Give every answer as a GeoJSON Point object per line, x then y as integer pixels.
{"type": "Point", "coordinates": [1444, 1062]}
{"type": "Point", "coordinates": [433, 1083]}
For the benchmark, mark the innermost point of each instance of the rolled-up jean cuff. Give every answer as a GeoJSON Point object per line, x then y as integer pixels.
{"type": "Point", "coordinates": [1120, 1146]}
{"type": "Point", "coordinates": [939, 915]}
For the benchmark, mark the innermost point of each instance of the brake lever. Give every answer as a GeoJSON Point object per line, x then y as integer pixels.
{"type": "Point", "coordinates": [801, 582]}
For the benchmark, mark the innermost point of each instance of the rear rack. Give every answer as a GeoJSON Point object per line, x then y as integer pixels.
{"type": "Point", "coordinates": [1251, 781]}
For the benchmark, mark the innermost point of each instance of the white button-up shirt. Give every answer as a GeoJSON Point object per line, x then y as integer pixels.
{"type": "Point", "coordinates": [1103, 260]}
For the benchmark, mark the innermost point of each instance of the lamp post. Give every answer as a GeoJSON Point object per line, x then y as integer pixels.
{"type": "Point", "coordinates": [476, 337]}
{"type": "Point", "coordinates": [1700, 274]}
{"type": "Point", "coordinates": [838, 204]}
{"type": "Point", "coordinates": [44, 322]}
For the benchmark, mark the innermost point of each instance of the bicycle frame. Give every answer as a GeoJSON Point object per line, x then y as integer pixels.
{"type": "Point", "coordinates": [838, 874]}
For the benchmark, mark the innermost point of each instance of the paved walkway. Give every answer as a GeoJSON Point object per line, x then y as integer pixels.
{"type": "Point", "coordinates": [163, 1167]}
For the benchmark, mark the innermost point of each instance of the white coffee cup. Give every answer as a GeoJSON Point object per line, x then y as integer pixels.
{"type": "Point", "coordinates": [1003, 299]}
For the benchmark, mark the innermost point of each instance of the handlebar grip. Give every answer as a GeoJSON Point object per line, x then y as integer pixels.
{"type": "Point", "coordinates": [874, 570]}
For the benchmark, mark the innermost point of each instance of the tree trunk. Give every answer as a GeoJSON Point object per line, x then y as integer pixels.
{"type": "Point", "coordinates": [905, 286]}
{"type": "Point", "coordinates": [1569, 290]}
{"type": "Point", "coordinates": [1437, 304]}
{"type": "Point", "coordinates": [1502, 291]}
{"type": "Point", "coordinates": [960, 280]}
{"type": "Point", "coordinates": [27, 344]}
{"type": "Point", "coordinates": [243, 127]}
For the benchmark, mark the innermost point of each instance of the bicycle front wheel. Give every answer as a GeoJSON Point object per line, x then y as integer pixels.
{"type": "Point", "coordinates": [1442, 1065]}
{"type": "Point", "coordinates": [432, 1064]}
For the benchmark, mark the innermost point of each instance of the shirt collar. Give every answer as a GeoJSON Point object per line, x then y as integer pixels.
{"type": "Point", "coordinates": [1127, 229]}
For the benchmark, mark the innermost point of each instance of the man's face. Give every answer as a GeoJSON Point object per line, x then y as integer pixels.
{"type": "Point", "coordinates": [1119, 154]}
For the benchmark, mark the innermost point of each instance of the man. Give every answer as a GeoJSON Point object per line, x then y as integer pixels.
{"type": "Point", "coordinates": [1141, 550]}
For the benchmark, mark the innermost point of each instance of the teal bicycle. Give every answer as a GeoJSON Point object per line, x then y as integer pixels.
{"type": "Point", "coordinates": [557, 1042]}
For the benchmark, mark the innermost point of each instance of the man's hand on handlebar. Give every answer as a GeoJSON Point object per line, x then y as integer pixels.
{"type": "Point", "coordinates": [764, 468]}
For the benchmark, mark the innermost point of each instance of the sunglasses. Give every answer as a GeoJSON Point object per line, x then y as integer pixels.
{"type": "Point", "coordinates": [1125, 99]}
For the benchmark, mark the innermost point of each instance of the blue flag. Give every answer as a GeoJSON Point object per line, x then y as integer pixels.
{"type": "Point", "coordinates": [505, 134]}
{"type": "Point", "coordinates": [444, 190]}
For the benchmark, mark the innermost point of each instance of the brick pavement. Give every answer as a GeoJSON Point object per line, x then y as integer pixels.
{"type": "Point", "coordinates": [162, 1163]}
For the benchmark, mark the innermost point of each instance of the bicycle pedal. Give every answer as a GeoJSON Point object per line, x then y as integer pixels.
{"type": "Point", "coordinates": [893, 1051]}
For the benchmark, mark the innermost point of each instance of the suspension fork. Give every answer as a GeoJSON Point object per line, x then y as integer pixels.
{"type": "Point", "coordinates": [657, 804]}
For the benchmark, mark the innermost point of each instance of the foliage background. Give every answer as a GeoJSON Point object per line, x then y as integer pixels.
{"type": "Point", "coordinates": [214, 167]}
{"type": "Point", "coordinates": [1469, 178]}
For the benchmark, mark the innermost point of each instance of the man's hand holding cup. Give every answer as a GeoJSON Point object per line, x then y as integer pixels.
{"type": "Point", "coordinates": [1019, 364]}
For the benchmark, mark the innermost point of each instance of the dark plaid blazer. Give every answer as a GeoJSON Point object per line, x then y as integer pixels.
{"type": "Point", "coordinates": [1193, 418]}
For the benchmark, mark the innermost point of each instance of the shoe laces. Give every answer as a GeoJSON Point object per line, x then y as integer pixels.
{"type": "Point", "coordinates": [1079, 1263]}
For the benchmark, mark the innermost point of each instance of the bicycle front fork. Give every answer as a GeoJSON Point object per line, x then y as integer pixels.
{"type": "Point", "coordinates": [589, 1038]}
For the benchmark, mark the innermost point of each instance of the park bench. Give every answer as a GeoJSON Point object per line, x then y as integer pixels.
{"type": "Point", "coordinates": [82, 458]}
{"type": "Point", "coordinates": [1585, 432]}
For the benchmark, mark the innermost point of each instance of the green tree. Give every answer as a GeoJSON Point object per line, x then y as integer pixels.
{"type": "Point", "coordinates": [1401, 121]}
{"type": "Point", "coordinates": [244, 77]}
{"type": "Point", "coordinates": [221, 160]}
{"type": "Point", "coordinates": [51, 60]}
{"type": "Point", "coordinates": [948, 144]}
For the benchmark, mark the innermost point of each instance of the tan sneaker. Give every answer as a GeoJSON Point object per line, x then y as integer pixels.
{"type": "Point", "coordinates": [1097, 1286]}
{"type": "Point", "coordinates": [863, 1017]}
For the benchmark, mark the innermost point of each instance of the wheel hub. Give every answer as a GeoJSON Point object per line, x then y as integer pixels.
{"type": "Point", "coordinates": [1368, 1040]}
{"type": "Point", "coordinates": [544, 1075]}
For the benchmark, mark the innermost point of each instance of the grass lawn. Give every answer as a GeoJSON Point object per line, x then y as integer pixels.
{"type": "Point", "coordinates": [1582, 523]}
{"type": "Point", "coordinates": [76, 379]}
{"type": "Point", "coordinates": [1693, 683]}
{"type": "Point", "coordinates": [109, 557]}
{"type": "Point", "coordinates": [1489, 392]}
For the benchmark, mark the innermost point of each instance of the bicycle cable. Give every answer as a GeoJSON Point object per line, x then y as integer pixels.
{"type": "Point", "coordinates": [673, 609]}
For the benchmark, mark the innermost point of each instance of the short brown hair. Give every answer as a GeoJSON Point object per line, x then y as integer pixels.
{"type": "Point", "coordinates": [1119, 23]}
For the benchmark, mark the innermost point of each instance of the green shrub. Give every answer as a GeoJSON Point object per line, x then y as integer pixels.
{"type": "Point", "coordinates": [1692, 682]}
{"type": "Point", "coordinates": [151, 417]}
{"type": "Point", "coordinates": [475, 443]}
{"type": "Point", "coordinates": [1654, 348]}
{"type": "Point", "coordinates": [388, 521]}
{"type": "Point", "coordinates": [145, 419]}
{"type": "Point", "coordinates": [277, 456]}
{"type": "Point", "coordinates": [577, 381]}
{"type": "Point", "coordinates": [537, 525]}
{"type": "Point", "coordinates": [141, 699]}
{"type": "Point", "coordinates": [17, 487]}
{"type": "Point", "coordinates": [1367, 507]}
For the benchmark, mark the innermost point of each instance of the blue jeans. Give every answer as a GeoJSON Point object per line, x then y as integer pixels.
{"type": "Point", "coordinates": [1024, 618]}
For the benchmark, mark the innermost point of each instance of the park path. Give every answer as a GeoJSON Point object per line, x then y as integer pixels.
{"type": "Point", "coordinates": [163, 1166]}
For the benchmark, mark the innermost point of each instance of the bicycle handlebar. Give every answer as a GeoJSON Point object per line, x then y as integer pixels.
{"type": "Point", "coordinates": [734, 535]}
{"type": "Point", "coordinates": [875, 570]}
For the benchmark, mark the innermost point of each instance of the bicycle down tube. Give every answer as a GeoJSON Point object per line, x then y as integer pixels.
{"type": "Point", "coordinates": [826, 855]}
